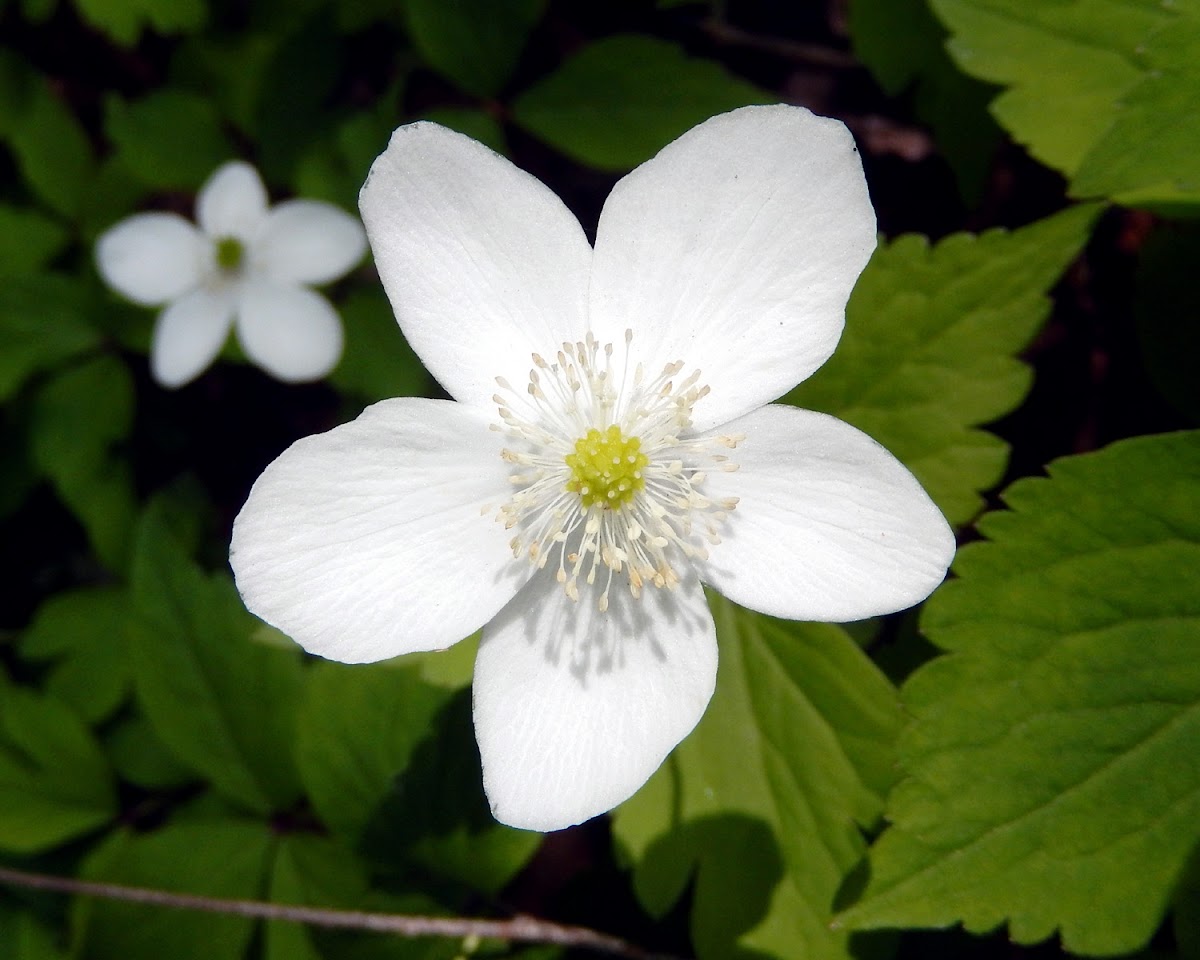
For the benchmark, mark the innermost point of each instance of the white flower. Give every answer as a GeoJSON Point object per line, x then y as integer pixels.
{"type": "Point", "coordinates": [571, 506]}
{"type": "Point", "coordinates": [244, 265]}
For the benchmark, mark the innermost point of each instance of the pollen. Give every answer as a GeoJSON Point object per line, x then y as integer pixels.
{"type": "Point", "coordinates": [606, 468]}
{"type": "Point", "coordinates": [230, 252]}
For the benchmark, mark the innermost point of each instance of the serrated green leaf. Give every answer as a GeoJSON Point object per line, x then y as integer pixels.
{"type": "Point", "coordinates": [83, 632]}
{"type": "Point", "coordinates": [28, 240]}
{"type": "Point", "coordinates": [79, 417]}
{"type": "Point", "coordinates": [476, 43]}
{"type": "Point", "coordinates": [42, 323]}
{"type": "Point", "coordinates": [930, 349]}
{"type": "Point", "coordinates": [1150, 154]}
{"type": "Point", "coordinates": [765, 798]}
{"type": "Point", "coordinates": [1052, 775]}
{"type": "Point", "coordinates": [170, 140]}
{"type": "Point", "coordinates": [622, 99]}
{"type": "Point", "coordinates": [1117, 77]}
{"type": "Point", "coordinates": [54, 781]}
{"type": "Point", "coordinates": [378, 362]}
{"type": "Point", "coordinates": [221, 858]}
{"type": "Point", "coordinates": [124, 20]}
{"type": "Point", "coordinates": [225, 706]}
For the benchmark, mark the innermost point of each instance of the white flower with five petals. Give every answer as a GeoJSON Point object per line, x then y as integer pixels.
{"type": "Point", "coordinates": [243, 265]}
{"type": "Point", "coordinates": [612, 446]}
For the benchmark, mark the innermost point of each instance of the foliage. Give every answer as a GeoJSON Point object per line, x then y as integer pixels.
{"type": "Point", "coordinates": [1055, 742]}
{"type": "Point", "coordinates": [1021, 753]}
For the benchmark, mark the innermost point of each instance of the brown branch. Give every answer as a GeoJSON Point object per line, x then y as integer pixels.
{"type": "Point", "coordinates": [520, 929]}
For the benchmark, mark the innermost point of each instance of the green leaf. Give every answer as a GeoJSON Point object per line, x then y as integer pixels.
{"type": "Point", "coordinates": [377, 362]}
{"type": "Point", "coordinates": [298, 82]}
{"type": "Point", "coordinates": [930, 349]}
{"type": "Point", "coordinates": [139, 756]}
{"type": "Point", "coordinates": [435, 813]}
{"type": "Point", "coordinates": [335, 169]}
{"type": "Point", "coordinates": [1098, 89]}
{"type": "Point", "coordinates": [54, 781]}
{"type": "Point", "coordinates": [390, 765]}
{"type": "Point", "coordinates": [220, 858]}
{"type": "Point", "coordinates": [114, 195]}
{"type": "Point", "coordinates": [902, 44]}
{"type": "Point", "coordinates": [357, 729]}
{"type": "Point", "coordinates": [170, 140]}
{"type": "Point", "coordinates": [124, 20]}
{"type": "Point", "coordinates": [622, 99]}
{"type": "Point", "coordinates": [229, 68]}
{"type": "Point", "coordinates": [226, 707]}
{"type": "Point", "coordinates": [764, 800]}
{"type": "Point", "coordinates": [41, 325]}
{"type": "Point", "coordinates": [83, 632]}
{"type": "Point", "coordinates": [1151, 153]}
{"type": "Point", "coordinates": [79, 417]}
{"type": "Point", "coordinates": [22, 937]}
{"type": "Point", "coordinates": [28, 240]}
{"type": "Point", "coordinates": [53, 153]}
{"type": "Point", "coordinates": [476, 124]}
{"type": "Point", "coordinates": [316, 871]}
{"type": "Point", "coordinates": [476, 43]}
{"type": "Point", "coordinates": [1051, 762]}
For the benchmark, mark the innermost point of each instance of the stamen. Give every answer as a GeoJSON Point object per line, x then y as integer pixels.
{"type": "Point", "coordinates": [608, 475]}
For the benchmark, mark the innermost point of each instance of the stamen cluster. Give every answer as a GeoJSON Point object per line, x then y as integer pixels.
{"type": "Point", "coordinates": [608, 474]}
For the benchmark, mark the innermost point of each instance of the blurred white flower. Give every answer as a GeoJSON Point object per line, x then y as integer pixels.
{"type": "Point", "coordinates": [245, 265]}
{"type": "Point", "coordinates": [586, 482]}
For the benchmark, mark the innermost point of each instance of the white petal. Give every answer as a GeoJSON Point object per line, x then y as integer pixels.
{"type": "Point", "coordinates": [189, 334]}
{"type": "Point", "coordinates": [735, 250]}
{"type": "Point", "coordinates": [152, 257]}
{"type": "Point", "coordinates": [829, 525]}
{"type": "Point", "coordinates": [307, 241]}
{"type": "Point", "coordinates": [291, 332]}
{"type": "Point", "coordinates": [372, 540]}
{"type": "Point", "coordinates": [483, 264]}
{"type": "Point", "coordinates": [232, 202]}
{"type": "Point", "coordinates": [575, 709]}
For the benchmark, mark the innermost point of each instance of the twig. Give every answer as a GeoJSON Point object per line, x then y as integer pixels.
{"type": "Point", "coordinates": [521, 928]}
{"type": "Point", "coordinates": [810, 53]}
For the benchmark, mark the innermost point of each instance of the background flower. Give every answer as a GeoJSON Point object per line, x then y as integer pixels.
{"type": "Point", "coordinates": [242, 264]}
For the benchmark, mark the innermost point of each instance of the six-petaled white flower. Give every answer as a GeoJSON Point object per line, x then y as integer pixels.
{"type": "Point", "coordinates": [612, 446]}
{"type": "Point", "coordinates": [244, 265]}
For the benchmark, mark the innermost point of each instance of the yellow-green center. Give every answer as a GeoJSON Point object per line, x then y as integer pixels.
{"type": "Point", "coordinates": [606, 468]}
{"type": "Point", "coordinates": [230, 252]}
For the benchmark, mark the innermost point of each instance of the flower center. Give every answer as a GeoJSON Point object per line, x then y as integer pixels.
{"type": "Point", "coordinates": [606, 468]}
{"type": "Point", "coordinates": [230, 252]}
{"type": "Point", "coordinates": [608, 471]}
